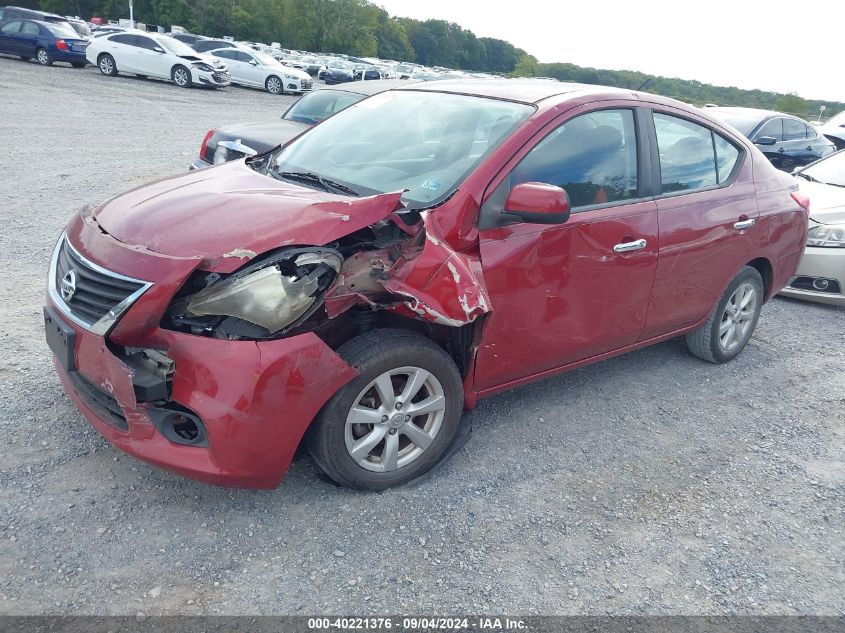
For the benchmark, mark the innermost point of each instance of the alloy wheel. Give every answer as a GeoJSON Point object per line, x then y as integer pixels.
{"type": "Point", "coordinates": [274, 85]}
{"type": "Point", "coordinates": [395, 418]}
{"type": "Point", "coordinates": [106, 66]}
{"type": "Point", "coordinates": [735, 324]}
{"type": "Point", "coordinates": [180, 76]}
{"type": "Point", "coordinates": [43, 57]}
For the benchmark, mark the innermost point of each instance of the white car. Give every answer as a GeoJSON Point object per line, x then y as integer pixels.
{"type": "Point", "coordinates": [260, 70]}
{"type": "Point", "coordinates": [153, 55]}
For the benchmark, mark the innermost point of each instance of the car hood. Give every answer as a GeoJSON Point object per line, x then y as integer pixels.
{"type": "Point", "coordinates": [827, 202]}
{"type": "Point", "coordinates": [262, 136]}
{"type": "Point", "coordinates": [230, 213]}
{"type": "Point", "coordinates": [294, 72]}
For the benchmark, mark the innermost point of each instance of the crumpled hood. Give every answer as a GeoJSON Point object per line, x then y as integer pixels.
{"type": "Point", "coordinates": [230, 213]}
{"type": "Point", "coordinates": [827, 202]}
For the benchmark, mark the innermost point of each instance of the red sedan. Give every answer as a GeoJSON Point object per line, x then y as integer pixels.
{"type": "Point", "coordinates": [362, 286]}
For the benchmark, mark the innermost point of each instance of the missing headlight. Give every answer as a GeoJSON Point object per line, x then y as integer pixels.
{"type": "Point", "coordinates": [264, 299]}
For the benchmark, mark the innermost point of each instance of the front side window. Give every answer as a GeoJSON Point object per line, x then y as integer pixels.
{"type": "Point", "coordinates": [687, 156]}
{"type": "Point", "coordinates": [422, 143]}
{"type": "Point", "coordinates": [773, 128]}
{"type": "Point", "coordinates": [593, 157]}
{"type": "Point", "coordinates": [11, 27]}
{"type": "Point", "coordinates": [145, 42]}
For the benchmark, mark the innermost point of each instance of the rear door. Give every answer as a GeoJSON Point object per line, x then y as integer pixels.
{"type": "Point", "coordinates": [28, 38]}
{"type": "Point", "coordinates": [708, 216]}
{"type": "Point", "coordinates": [122, 48]}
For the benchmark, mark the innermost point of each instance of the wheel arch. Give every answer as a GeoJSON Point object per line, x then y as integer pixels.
{"type": "Point", "coordinates": [763, 266]}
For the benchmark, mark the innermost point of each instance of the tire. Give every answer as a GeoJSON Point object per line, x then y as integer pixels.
{"type": "Point", "coordinates": [106, 64]}
{"type": "Point", "coordinates": [274, 85]}
{"type": "Point", "coordinates": [376, 355]}
{"type": "Point", "coordinates": [43, 57]}
{"type": "Point", "coordinates": [78, 64]}
{"type": "Point", "coordinates": [181, 76]}
{"type": "Point", "coordinates": [731, 324]}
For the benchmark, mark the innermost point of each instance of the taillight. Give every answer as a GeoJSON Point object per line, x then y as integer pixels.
{"type": "Point", "coordinates": [801, 199]}
{"type": "Point", "coordinates": [204, 146]}
{"type": "Point", "coordinates": [62, 45]}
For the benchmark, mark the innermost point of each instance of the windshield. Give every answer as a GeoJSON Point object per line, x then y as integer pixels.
{"type": "Point", "coordinates": [176, 47]}
{"type": "Point", "coordinates": [744, 123]}
{"type": "Point", "coordinates": [81, 27]}
{"type": "Point", "coordinates": [830, 171]}
{"type": "Point", "coordinates": [340, 65]}
{"type": "Point", "coordinates": [320, 104]}
{"type": "Point", "coordinates": [839, 119]}
{"type": "Point", "coordinates": [422, 142]}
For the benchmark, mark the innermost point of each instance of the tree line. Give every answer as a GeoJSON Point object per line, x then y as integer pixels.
{"type": "Point", "coordinates": [360, 27]}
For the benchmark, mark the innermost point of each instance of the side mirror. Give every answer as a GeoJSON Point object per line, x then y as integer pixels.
{"type": "Point", "coordinates": [158, 50]}
{"type": "Point", "coordinates": [252, 62]}
{"type": "Point", "coordinates": [765, 140]}
{"type": "Point", "coordinates": [539, 203]}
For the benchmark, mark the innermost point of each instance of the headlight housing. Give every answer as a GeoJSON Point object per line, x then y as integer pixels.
{"type": "Point", "coordinates": [264, 299]}
{"type": "Point", "coordinates": [203, 67]}
{"type": "Point", "coordinates": [827, 235]}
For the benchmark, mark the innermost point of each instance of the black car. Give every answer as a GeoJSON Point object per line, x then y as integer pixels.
{"type": "Point", "coordinates": [203, 45]}
{"type": "Point", "coordinates": [189, 38]}
{"type": "Point", "coordinates": [786, 140]}
{"type": "Point", "coordinates": [364, 72]}
{"type": "Point", "coordinates": [236, 141]}
{"type": "Point", "coordinates": [339, 73]}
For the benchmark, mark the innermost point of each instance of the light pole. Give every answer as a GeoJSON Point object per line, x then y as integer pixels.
{"type": "Point", "coordinates": [822, 108]}
{"type": "Point", "coordinates": [131, 15]}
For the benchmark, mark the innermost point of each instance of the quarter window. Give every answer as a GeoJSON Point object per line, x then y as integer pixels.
{"type": "Point", "coordinates": [687, 155]}
{"type": "Point", "coordinates": [811, 132]}
{"type": "Point", "coordinates": [593, 157]}
{"type": "Point", "coordinates": [726, 156]}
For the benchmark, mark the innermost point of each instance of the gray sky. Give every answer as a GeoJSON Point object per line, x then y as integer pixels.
{"type": "Point", "coordinates": [722, 42]}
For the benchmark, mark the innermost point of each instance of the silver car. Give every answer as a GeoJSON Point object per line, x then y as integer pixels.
{"type": "Point", "coordinates": [821, 273]}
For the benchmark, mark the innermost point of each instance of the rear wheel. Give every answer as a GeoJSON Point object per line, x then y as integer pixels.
{"type": "Point", "coordinates": [395, 419]}
{"type": "Point", "coordinates": [274, 85]}
{"type": "Point", "coordinates": [732, 322]}
{"type": "Point", "coordinates": [181, 76]}
{"type": "Point", "coordinates": [105, 63]}
{"type": "Point", "coordinates": [43, 57]}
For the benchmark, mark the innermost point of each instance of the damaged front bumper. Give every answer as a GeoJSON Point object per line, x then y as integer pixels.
{"type": "Point", "coordinates": [249, 402]}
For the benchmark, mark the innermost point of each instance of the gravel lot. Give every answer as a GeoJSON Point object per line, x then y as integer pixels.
{"type": "Point", "coordinates": [649, 484]}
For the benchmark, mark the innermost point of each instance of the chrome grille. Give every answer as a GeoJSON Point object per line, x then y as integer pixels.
{"type": "Point", "coordinates": [90, 295]}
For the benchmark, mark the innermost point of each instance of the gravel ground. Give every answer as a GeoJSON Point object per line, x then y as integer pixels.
{"type": "Point", "coordinates": [652, 483]}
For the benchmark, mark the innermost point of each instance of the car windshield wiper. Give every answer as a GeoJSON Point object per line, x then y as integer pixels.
{"type": "Point", "coordinates": [325, 183]}
{"type": "Point", "coordinates": [806, 176]}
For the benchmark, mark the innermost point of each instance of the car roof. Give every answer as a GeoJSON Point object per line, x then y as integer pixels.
{"type": "Point", "coordinates": [372, 87]}
{"type": "Point", "coordinates": [527, 91]}
{"type": "Point", "coordinates": [750, 112]}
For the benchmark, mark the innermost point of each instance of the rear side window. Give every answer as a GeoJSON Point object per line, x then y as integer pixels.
{"type": "Point", "coordinates": [793, 130]}
{"type": "Point", "coordinates": [593, 157]}
{"type": "Point", "coordinates": [773, 128]}
{"type": "Point", "coordinates": [687, 155]}
{"type": "Point", "coordinates": [124, 38]}
{"type": "Point", "coordinates": [29, 28]}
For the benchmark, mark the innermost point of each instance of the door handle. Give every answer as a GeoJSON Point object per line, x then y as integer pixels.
{"type": "Point", "coordinates": [781, 150]}
{"type": "Point", "coordinates": [809, 148]}
{"type": "Point", "coordinates": [626, 247]}
{"type": "Point", "coordinates": [745, 224]}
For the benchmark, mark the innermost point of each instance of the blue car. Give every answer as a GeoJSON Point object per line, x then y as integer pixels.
{"type": "Point", "coordinates": [47, 42]}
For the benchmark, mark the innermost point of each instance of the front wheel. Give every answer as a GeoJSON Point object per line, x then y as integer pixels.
{"type": "Point", "coordinates": [43, 57]}
{"type": "Point", "coordinates": [274, 85]}
{"type": "Point", "coordinates": [395, 419]}
{"type": "Point", "coordinates": [181, 76]}
{"type": "Point", "coordinates": [729, 327]}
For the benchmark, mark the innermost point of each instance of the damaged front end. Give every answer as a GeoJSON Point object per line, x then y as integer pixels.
{"type": "Point", "coordinates": [399, 265]}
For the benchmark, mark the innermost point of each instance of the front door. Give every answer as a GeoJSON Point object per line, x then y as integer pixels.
{"type": "Point", "coordinates": [564, 293]}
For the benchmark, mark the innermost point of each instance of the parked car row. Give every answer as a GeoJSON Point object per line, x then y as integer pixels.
{"type": "Point", "coordinates": [414, 251]}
